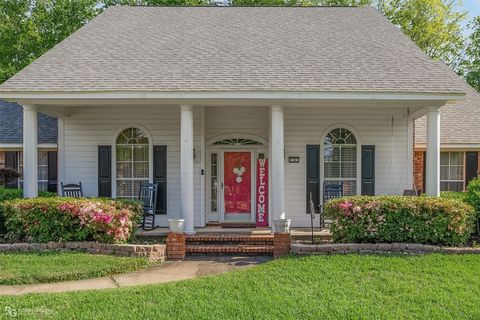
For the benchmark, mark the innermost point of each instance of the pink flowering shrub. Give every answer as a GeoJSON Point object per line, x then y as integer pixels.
{"type": "Point", "coordinates": [400, 219]}
{"type": "Point", "coordinates": [69, 219]}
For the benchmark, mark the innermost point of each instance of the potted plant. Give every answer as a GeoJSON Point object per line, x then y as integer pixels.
{"type": "Point", "coordinates": [176, 225]}
{"type": "Point", "coordinates": [282, 225]}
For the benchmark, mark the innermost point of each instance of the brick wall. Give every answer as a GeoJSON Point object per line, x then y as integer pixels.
{"type": "Point", "coordinates": [176, 249]}
{"type": "Point", "coordinates": [281, 244]}
{"type": "Point", "coordinates": [418, 170]}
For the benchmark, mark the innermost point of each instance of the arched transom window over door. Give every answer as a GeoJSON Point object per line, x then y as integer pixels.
{"type": "Point", "coordinates": [132, 162]}
{"type": "Point", "coordinates": [340, 159]}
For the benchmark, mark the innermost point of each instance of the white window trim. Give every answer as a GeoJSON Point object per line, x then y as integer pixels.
{"type": "Point", "coordinates": [455, 165]}
{"type": "Point", "coordinates": [322, 155]}
{"type": "Point", "coordinates": [114, 155]}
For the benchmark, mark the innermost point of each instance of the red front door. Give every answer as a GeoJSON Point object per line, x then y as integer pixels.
{"type": "Point", "coordinates": [237, 175]}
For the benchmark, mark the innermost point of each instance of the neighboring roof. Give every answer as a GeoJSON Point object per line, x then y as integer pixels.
{"type": "Point", "coordinates": [11, 125]}
{"type": "Point", "coordinates": [313, 49]}
{"type": "Point", "coordinates": [459, 122]}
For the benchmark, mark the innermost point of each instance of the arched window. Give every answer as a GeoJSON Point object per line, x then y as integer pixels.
{"type": "Point", "coordinates": [340, 159]}
{"type": "Point", "coordinates": [132, 162]}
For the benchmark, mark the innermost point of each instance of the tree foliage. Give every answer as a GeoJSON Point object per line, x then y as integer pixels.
{"type": "Point", "coordinates": [29, 28]}
{"type": "Point", "coordinates": [434, 25]}
{"type": "Point", "coordinates": [470, 64]}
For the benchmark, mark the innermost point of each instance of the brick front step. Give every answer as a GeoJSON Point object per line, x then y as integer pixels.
{"type": "Point", "coordinates": [230, 239]}
{"type": "Point", "coordinates": [233, 225]}
{"type": "Point", "coordinates": [229, 249]}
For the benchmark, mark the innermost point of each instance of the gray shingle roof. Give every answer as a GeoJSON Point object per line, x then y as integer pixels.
{"type": "Point", "coordinates": [459, 122]}
{"type": "Point", "coordinates": [236, 48]}
{"type": "Point", "coordinates": [11, 125]}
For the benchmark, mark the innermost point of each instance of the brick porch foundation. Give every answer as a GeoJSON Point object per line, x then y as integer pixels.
{"type": "Point", "coordinates": [281, 244]}
{"type": "Point", "coordinates": [176, 246]}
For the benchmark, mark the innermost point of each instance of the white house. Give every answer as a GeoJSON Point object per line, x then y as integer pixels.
{"type": "Point", "coordinates": [197, 98]}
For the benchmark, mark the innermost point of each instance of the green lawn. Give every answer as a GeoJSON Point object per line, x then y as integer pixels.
{"type": "Point", "coordinates": [40, 267]}
{"type": "Point", "coordinates": [318, 287]}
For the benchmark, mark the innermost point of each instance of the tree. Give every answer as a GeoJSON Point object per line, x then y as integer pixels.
{"type": "Point", "coordinates": [434, 25]}
{"type": "Point", "coordinates": [470, 64]}
{"type": "Point", "coordinates": [29, 28]}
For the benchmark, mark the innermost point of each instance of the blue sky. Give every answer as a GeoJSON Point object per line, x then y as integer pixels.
{"type": "Point", "coordinates": [472, 7]}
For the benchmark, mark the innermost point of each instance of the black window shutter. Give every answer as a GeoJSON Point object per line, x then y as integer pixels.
{"type": "Point", "coordinates": [313, 176]}
{"type": "Point", "coordinates": [471, 166]}
{"type": "Point", "coordinates": [11, 162]}
{"type": "Point", "coordinates": [104, 171]}
{"type": "Point", "coordinates": [160, 177]}
{"type": "Point", "coordinates": [52, 171]}
{"type": "Point", "coordinates": [368, 170]}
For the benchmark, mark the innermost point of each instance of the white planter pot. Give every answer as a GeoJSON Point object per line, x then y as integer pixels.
{"type": "Point", "coordinates": [282, 225]}
{"type": "Point", "coordinates": [176, 225]}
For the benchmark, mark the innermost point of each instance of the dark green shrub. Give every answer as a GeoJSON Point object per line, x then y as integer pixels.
{"type": "Point", "coordinates": [400, 219]}
{"type": "Point", "coordinates": [472, 196]}
{"type": "Point", "coordinates": [454, 195]}
{"type": "Point", "coordinates": [14, 193]}
{"type": "Point", "coordinates": [69, 219]}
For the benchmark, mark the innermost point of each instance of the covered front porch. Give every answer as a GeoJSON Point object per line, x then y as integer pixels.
{"type": "Point", "coordinates": [237, 159]}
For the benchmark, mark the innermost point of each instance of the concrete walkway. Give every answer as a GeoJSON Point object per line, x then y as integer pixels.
{"type": "Point", "coordinates": [169, 271]}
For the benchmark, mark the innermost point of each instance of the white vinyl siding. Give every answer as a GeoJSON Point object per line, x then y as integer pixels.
{"type": "Point", "coordinates": [386, 128]}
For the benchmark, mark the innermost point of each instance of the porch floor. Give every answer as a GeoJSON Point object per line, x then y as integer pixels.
{"type": "Point", "coordinates": [295, 232]}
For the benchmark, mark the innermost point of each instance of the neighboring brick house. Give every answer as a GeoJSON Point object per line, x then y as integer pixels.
{"type": "Point", "coordinates": [459, 144]}
{"type": "Point", "coordinates": [11, 145]}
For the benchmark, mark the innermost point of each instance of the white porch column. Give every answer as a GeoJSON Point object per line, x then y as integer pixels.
{"type": "Point", "coordinates": [432, 184]}
{"type": "Point", "coordinates": [277, 162]}
{"type": "Point", "coordinates": [30, 152]}
{"type": "Point", "coordinates": [186, 166]}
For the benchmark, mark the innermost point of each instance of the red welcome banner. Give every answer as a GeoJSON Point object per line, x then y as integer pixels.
{"type": "Point", "coordinates": [262, 193]}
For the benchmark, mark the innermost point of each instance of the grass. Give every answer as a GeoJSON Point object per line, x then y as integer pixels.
{"type": "Point", "coordinates": [317, 287]}
{"type": "Point", "coordinates": [42, 267]}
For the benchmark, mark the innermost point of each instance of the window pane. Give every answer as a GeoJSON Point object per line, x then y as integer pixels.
{"type": "Point", "coordinates": [349, 170]}
{"type": "Point", "coordinates": [124, 170]}
{"type": "Point", "coordinates": [444, 159]}
{"type": "Point", "coordinates": [456, 173]}
{"type": "Point", "coordinates": [42, 186]}
{"type": "Point", "coordinates": [332, 170]}
{"type": "Point", "coordinates": [42, 158]}
{"type": "Point", "coordinates": [451, 186]}
{"type": "Point", "coordinates": [456, 158]}
{"type": "Point", "coordinates": [140, 153]}
{"type": "Point", "coordinates": [124, 153]}
{"type": "Point", "coordinates": [140, 170]}
{"type": "Point", "coordinates": [42, 172]}
{"type": "Point", "coordinates": [444, 173]}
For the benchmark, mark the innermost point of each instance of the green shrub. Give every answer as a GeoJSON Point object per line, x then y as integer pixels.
{"type": "Point", "coordinates": [70, 219]}
{"type": "Point", "coordinates": [14, 193]}
{"type": "Point", "coordinates": [472, 196]}
{"type": "Point", "coordinates": [400, 219]}
{"type": "Point", "coordinates": [453, 195]}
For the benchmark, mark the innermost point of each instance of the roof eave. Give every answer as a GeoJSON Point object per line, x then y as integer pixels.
{"type": "Point", "coordinates": [32, 97]}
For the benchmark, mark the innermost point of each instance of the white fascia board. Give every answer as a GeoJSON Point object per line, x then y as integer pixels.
{"type": "Point", "coordinates": [229, 95]}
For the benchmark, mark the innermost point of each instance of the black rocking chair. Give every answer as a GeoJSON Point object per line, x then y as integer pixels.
{"type": "Point", "coordinates": [330, 191]}
{"type": "Point", "coordinates": [148, 196]}
{"type": "Point", "coordinates": [72, 190]}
